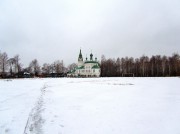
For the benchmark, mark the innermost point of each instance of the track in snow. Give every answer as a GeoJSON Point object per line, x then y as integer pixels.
{"type": "Point", "coordinates": [35, 120]}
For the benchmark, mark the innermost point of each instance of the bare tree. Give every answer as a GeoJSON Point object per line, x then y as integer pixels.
{"type": "Point", "coordinates": [175, 63]}
{"type": "Point", "coordinates": [72, 66]}
{"type": "Point", "coordinates": [46, 69]}
{"type": "Point", "coordinates": [17, 65]}
{"type": "Point", "coordinates": [52, 68]}
{"type": "Point", "coordinates": [58, 66]}
{"type": "Point", "coordinates": [34, 67]}
{"type": "Point", "coordinates": [11, 62]}
{"type": "Point", "coordinates": [118, 67]}
{"type": "Point", "coordinates": [137, 67]}
{"type": "Point", "coordinates": [4, 62]}
{"type": "Point", "coordinates": [123, 63]}
{"type": "Point", "coordinates": [103, 66]}
{"type": "Point", "coordinates": [152, 65]}
{"type": "Point", "coordinates": [142, 62]}
{"type": "Point", "coordinates": [164, 63]}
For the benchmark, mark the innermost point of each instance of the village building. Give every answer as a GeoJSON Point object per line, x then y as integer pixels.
{"type": "Point", "coordinates": [87, 68]}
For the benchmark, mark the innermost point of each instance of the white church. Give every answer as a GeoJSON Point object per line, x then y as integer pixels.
{"type": "Point", "coordinates": [87, 68]}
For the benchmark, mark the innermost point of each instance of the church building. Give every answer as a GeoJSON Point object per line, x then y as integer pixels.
{"type": "Point", "coordinates": [87, 68]}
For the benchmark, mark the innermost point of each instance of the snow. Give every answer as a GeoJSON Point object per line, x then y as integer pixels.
{"type": "Point", "coordinates": [90, 106]}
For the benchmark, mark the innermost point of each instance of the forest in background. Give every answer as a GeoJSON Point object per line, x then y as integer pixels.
{"type": "Point", "coordinates": [154, 66]}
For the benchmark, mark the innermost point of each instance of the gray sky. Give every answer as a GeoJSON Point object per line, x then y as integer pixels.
{"type": "Point", "coordinates": [52, 30]}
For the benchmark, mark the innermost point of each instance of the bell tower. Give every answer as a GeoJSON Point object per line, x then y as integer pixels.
{"type": "Point", "coordinates": [80, 59]}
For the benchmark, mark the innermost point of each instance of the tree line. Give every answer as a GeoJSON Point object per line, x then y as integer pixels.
{"type": "Point", "coordinates": [154, 66]}
{"type": "Point", "coordinates": [13, 68]}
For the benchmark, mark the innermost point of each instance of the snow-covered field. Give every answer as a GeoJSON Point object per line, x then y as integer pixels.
{"type": "Point", "coordinates": [90, 106]}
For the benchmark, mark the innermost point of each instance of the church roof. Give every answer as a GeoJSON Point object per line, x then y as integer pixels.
{"type": "Point", "coordinates": [95, 67]}
{"type": "Point", "coordinates": [91, 62]}
{"type": "Point", "coordinates": [81, 67]}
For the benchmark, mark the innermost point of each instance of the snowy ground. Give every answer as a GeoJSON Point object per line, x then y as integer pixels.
{"type": "Point", "coordinates": [90, 106]}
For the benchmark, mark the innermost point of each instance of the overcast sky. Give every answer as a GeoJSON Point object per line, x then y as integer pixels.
{"type": "Point", "coordinates": [52, 30]}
